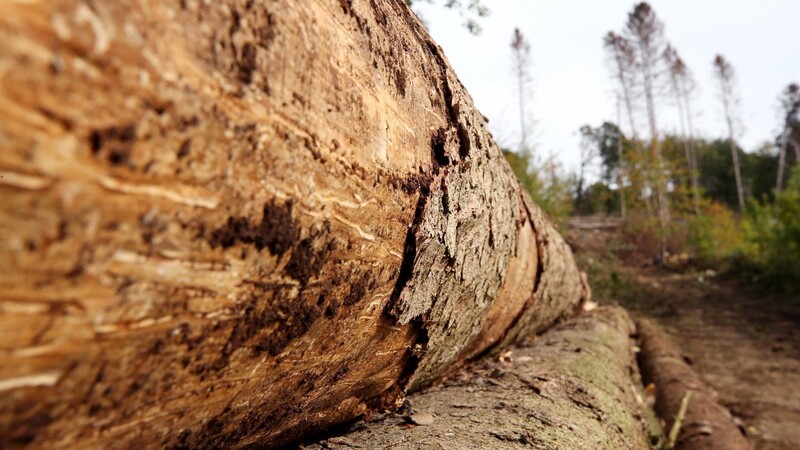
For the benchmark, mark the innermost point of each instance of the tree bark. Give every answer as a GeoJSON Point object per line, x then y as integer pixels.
{"type": "Point", "coordinates": [797, 150]}
{"type": "Point", "coordinates": [235, 223]}
{"type": "Point", "coordinates": [648, 86]}
{"type": "Point", "coordinates": [621, 162]}
{"type": "Point", "coordinates": [575, 387]}
{"type": "Point", "coordinates": [706, 424]}
{"type": "Point", "coordinates": [737, 171]}
{"type": "Point", "coordinates": [686, 97]}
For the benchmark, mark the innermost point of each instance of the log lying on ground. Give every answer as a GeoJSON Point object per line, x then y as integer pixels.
{"type": "Point", "coordinates": [704, 424]}
{"type": "Point", "coordinates": [572, 388]}
{"type": "Point", "coordinates": [231, 223]}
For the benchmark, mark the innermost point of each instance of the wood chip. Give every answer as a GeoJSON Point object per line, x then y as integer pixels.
{"type": "Point", "coordinates": [422, 418]}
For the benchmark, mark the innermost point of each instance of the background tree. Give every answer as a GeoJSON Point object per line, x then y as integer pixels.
{"type": "Point", "coordinates": [726, 77]}
{"type": "Point", "coordinates": [679, 81]}
{"type": "Point", "coordinates": [622, 57]}
{"type": "Point", "coordinates": [758, 172]}
{"type": "Point", "coordinates": [620, 175]}
{"type": "Point", "coordinates": [646, 32]}
{"type": "Point", "coordinates": [520, 54]}
{"type": "Point", "coordinates": [687, 87]}
{"type": "Point", "coordinates": [589, 155]}
{"type": "Point", "coordinates": [717, 175]}
{"type": "Point", "coordinates": [790, 109]}
{"type": "Point", "coordinates": [603, 145]}
{"type": "Point", "coordinates": [622, 62]}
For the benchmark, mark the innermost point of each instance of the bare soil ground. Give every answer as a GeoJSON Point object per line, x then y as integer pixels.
{"type": "Point", "coordinates": [742, 339]}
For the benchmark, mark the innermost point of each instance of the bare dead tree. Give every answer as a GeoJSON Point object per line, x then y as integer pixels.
{"type": "Point", "coordinates": [623, 63]}
{"type": "Point", "coordinates": [622, 57]}
{"type": "Point", "coordinates": [520, 53]}
{"type": "Point", "coordinates": [790, 107]}
{"type": "Point", "coordinates": [688, 86]}
{"type": "Point", "coordinates": [646, 32]}
{"type": "Point", "coordinates": [589, 154]}
{"type": "Point", "coordinates": [726, 77]}
{"type": "Point", "coordinates": [680, 82]}
{"type": "Point", "coordinates": [621, 164]}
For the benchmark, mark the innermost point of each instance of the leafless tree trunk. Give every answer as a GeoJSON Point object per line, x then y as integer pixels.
{"type": "Point", "coordinates": [782, 161]}
{"type": "Point", "coordinates": [520, 51]}
{"type": "Point", "coordinates": [679, 75]}
{"type": "Point", "coordinates": [621, 164]}
{"type": "Point", "coordinates": [646, 31]}
{"type": "Point", "coordinates": [726, 77]}
{"type": "Point", "coordinates": [736, 170]}
{"type": "Point", "coordinates": [233, 224]}
{"type": "Point", "coordinates": [790, 101]}
{"type": "Point", "coordinates": [686, 90]}
{"type": "Point", "coordinates": [588, 155]}
{"type": "Point", "coordinates": [623, 62]}
{"type": "Point", "coordinates": [623, 58]}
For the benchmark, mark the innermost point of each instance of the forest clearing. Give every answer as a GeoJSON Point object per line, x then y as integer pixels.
{"type": "Point", "coordinates": [264, 224]}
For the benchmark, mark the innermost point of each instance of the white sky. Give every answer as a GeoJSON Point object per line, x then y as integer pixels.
{"type": "Point", "coordinates": [572, 86]}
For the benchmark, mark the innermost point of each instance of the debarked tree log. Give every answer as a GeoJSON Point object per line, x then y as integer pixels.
{"type": "Point", "coordinates": [683, 401]}
{"type": "Point", "coordinates": [575, 387]}
{"type": "Point", "coordinates": [233, 223]}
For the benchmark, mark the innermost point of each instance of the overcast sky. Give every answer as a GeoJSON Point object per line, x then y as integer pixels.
{"type": "Point", "coordinates": [571, 86]}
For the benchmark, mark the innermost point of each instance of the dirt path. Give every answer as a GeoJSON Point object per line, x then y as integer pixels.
{"type": "Point", "coordinates": [744, 342]}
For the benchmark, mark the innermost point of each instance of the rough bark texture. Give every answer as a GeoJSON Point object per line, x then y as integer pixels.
{"type": "Point", "coordinates": [232, 223]}
{"type": "Point", "coordinates": [706, 425]}
{"type": "Point", "coordinates": [575, 387]}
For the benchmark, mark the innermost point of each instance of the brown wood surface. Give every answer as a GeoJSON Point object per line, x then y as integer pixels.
{"type": "Point", "coordinates": [234, 223]}
{"type": "Point", "coordinates": [574, 387]}
{"type": "Point", "coordinates": [706, 424]}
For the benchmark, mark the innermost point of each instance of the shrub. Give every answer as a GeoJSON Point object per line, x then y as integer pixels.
{"type": "Point", "coordinates": [714, 236]}
{"type": "Point", "coordinates": [772, 236]}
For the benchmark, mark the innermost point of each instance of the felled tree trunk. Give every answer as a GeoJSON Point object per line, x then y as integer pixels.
{"type": "Point", "coordinates": [233, 223]}
{"type": "Point", "coordinates": [703, 423]}
{"type": "Point", "coordinates": [575, 387]}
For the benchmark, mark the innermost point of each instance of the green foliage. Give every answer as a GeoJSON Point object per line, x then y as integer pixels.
{"type": "Point", "coordinates": [546, 188]}
{"type": "Point", "coordinates": [716, 172]}
{"type": "Point", "coordinates": [714, 236]}
{"type": "Point", "coordinates": [760, 169]}
{"type": "Point", "coordinates": [605, 139]}
{"type": "Point", "coordinates": [772, 235]}
{"type": "Point", "coordinates": [602, 144]}
{"type": "Point", "coordinates": [598, 198]}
